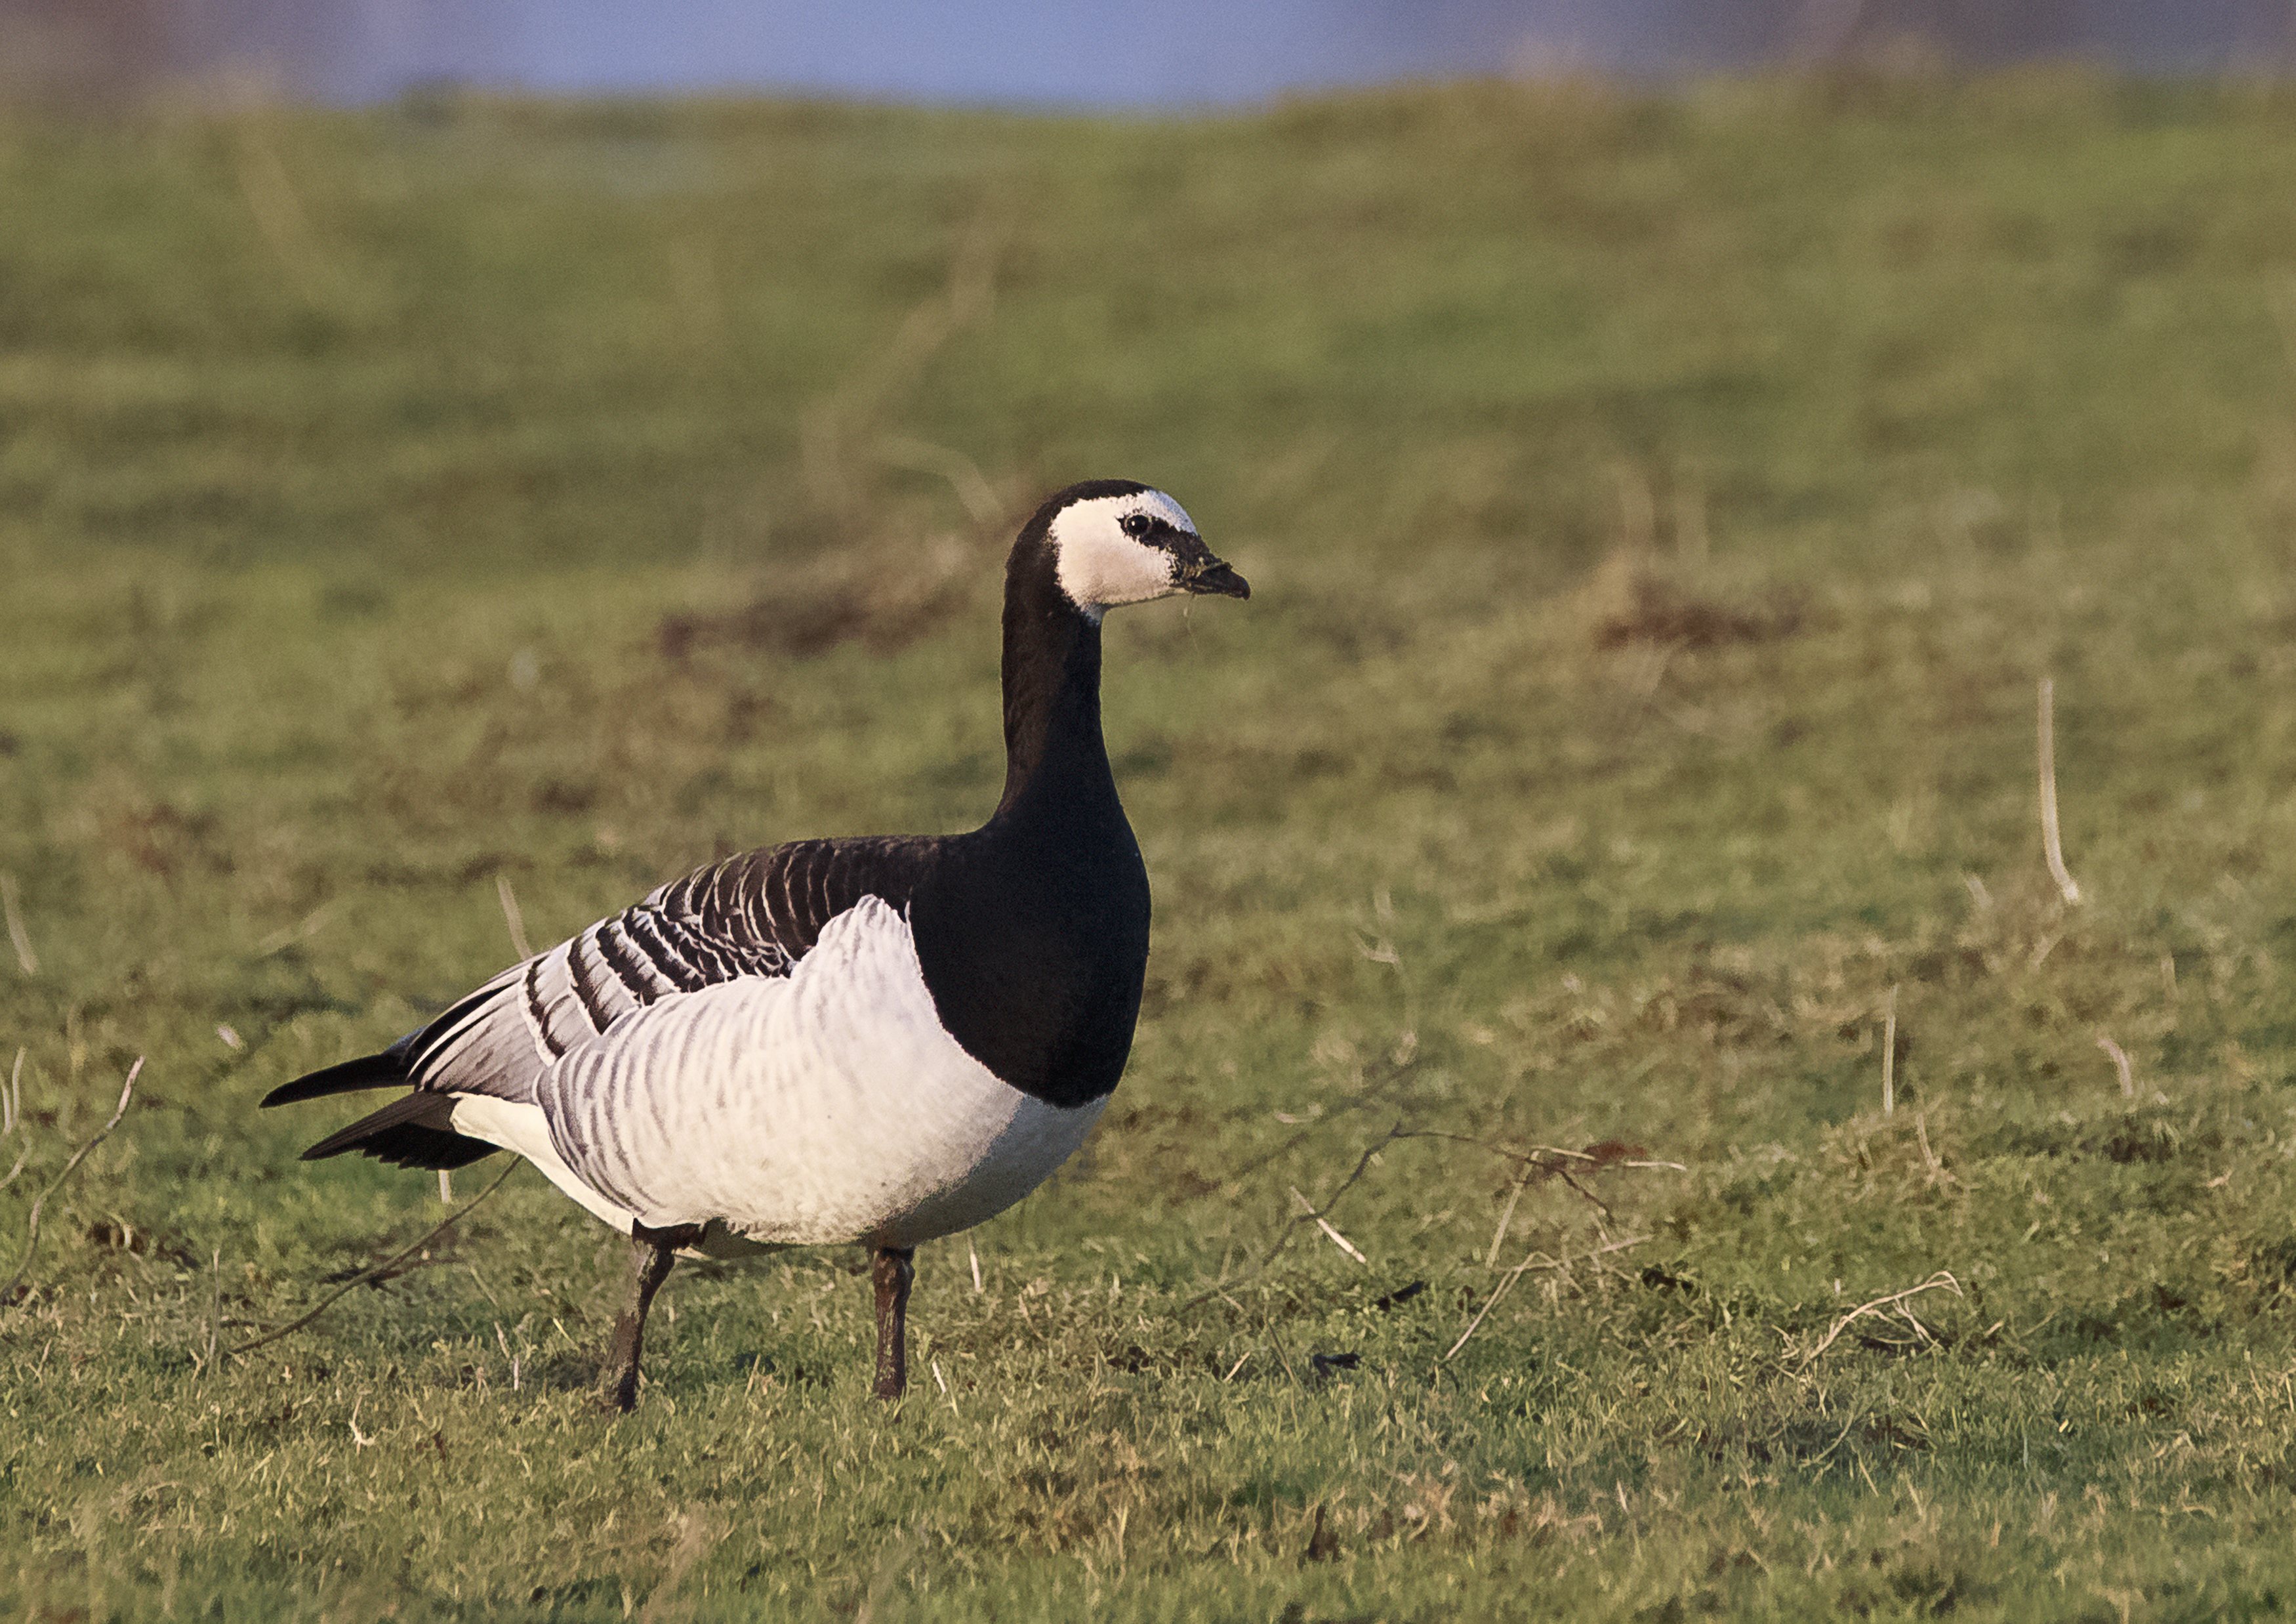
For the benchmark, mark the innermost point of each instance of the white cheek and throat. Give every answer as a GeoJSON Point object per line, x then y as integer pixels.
{"type": "Point", "coordinates": [1100, 566]}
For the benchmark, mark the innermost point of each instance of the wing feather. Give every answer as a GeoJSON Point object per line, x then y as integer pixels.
{"type": "Point", "coordinates": [752, 916]}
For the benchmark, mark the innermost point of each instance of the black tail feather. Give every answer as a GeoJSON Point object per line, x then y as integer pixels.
{"type": "Point", "coordinates": [382, 1070]}
{"type": "Point", "coordinates": [408, 1133]}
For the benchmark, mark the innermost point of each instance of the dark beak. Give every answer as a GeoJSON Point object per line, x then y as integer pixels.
{"type": "Point", "coordinates": [1201, 572]}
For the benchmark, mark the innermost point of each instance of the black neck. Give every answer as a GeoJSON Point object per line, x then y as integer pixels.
{"type": "Point", "coordinates": [1055, 760]}
{"type": "Point", "coordinates": [1032, 932]}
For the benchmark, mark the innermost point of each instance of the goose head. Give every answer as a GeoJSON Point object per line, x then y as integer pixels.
{"type": "Point", "coordinates": [1114, 541]}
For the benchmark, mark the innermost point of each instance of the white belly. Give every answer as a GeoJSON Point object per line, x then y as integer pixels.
{"type": "Point", "coordinates": [829, 1105]}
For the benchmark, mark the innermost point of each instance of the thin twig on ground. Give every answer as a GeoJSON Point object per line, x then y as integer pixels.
{"type": "Point", "coordinates": [383, 1267]}
{"type": "Point", "coordinates": [1375, 1089]}
{"type": "Point", "coordinates": [1538, 1161]}
{"type": "Point", "coordinates": [1546, 1162]}
{"type": "Point", "coordinates": [1515, 1188]}
{"type": "Point", "coordinates": [1284, 1238]}
{"type": "Point", "coordinates": [1307, 1209]}
{"type": "Point", "coordinates": [2121, 1063]}
{"type": "Point", "coordinates": [2051, 847]}
{"type": "Point", "coordinates": [1942, 1280]}
{"type": "Point", "coordinates": [32, 1225]}
{"type": "Point", "coordinates": [1532, 1260]}
{"type": "Point", "coordinates": [1536, 1155]}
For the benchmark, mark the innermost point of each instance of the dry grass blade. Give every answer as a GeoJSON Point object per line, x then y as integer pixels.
{"type": "Point", "coordinates": [1308, 1209]}
{"type": "Point", "coordinates": [1516, 1187]}
{"type": "Point", "coordinates": [512, 917]}
{"type": "Point", "coordinates": [1530, 1261]}
{"type": "Point", "coordinates": [32, 1225]}
{"type": "Point", "coordinates": [1283, 1239]}
{"type": "Point", "coordinates": [1937, 1173]}
{"type": "Point", "coordinates": [1890, 1054]}
{"type": "Point", "coordinates": [1942, 1280]}
{"type": "Point", "coordinates": [2051, 848]}
{"type": "Point", "coordinates": [19, 937]}
{"type": "Point", "coordinates": [12, 1111]}
{"type": "Point", "coordinates": [1540, 1162]}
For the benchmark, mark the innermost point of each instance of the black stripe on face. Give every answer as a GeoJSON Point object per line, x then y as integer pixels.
{"type": "Point", "coordinates": [1154, 531]}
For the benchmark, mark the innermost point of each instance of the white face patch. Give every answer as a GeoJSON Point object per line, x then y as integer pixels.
{"type": "Point", "coordinates": [1099, 565]}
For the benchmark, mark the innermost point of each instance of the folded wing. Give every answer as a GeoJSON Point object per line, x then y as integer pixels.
{"type": "Point", "coordinates": [752, 916]}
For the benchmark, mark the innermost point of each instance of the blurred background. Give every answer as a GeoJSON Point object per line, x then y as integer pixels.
{"type": "Point", "coordinates": [1103, 53]}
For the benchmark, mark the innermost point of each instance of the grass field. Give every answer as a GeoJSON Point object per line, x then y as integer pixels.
{"type": "Point", "coordinates": [1660, 512]}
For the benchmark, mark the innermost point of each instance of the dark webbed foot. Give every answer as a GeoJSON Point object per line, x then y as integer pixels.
{"type": "Point", "coordinates": [652, 1253]}
{"type": "Point", "coordinates": [891, 1269]}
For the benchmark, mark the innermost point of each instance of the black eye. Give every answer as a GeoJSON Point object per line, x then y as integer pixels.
{"type": "Point", "coordinates": [1136, 524]}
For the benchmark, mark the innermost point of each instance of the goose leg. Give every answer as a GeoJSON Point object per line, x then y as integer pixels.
{"type": "Point", "coordinates": [891, 1268]}
{"type": "Point", "coordinates": [652, 1252]}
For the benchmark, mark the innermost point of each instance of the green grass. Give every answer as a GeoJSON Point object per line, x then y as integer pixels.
{"type": "Point", "coordinates": [1659, 511]}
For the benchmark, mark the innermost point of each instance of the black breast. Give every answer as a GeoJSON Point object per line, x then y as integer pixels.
{"type": "Point", "coordinates": [1035, 959]}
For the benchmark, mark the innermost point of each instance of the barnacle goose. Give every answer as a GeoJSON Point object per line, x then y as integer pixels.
{"type": "Point", "coordinates": [873, 1040]}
